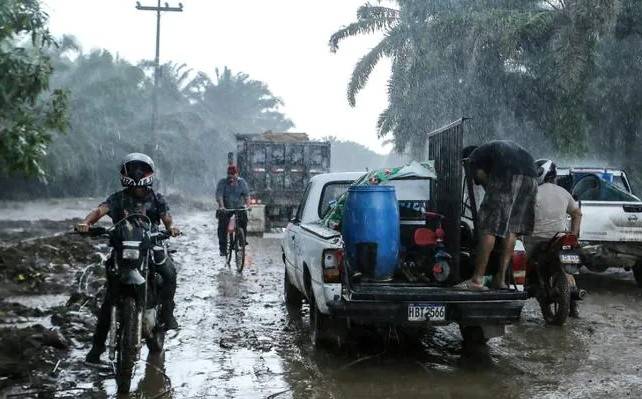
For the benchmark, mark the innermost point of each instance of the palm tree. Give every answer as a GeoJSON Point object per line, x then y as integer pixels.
{"type": "Point", "coordinates": [371, 19]}
{"type": "Point", "coordinates": [513, 65]}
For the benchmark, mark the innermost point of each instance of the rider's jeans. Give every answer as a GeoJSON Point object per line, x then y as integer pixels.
{"type": "Point", "coordinates": [223, 220]}
{"type": "Point", "coordinates": [167, 291]}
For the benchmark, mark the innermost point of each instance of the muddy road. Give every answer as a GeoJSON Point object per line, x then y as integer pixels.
{"type": "Point", "coordinates": [237, 340]}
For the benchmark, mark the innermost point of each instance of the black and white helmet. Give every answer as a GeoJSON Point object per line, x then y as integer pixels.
{"type": "Point", "coordinates": [546, 170]}
{"type": "Point", "coordinates": [137, 170]}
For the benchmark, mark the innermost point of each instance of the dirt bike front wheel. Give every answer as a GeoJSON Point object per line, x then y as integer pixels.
{"type": "Point", "coordinates": [127, 345]}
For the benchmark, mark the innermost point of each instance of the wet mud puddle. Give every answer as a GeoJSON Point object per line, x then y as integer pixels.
{"type": "Point", "coordinates": [237, 340]}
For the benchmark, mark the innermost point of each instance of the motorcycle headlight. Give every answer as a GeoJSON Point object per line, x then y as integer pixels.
{"type": "Point", "coordinates": [131, 253]}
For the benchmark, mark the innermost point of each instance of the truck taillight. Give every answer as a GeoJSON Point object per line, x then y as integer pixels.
{"type": "Point", "coordinates": [332, 265]}
{"type": "Point", "coordinates": [519, 267]}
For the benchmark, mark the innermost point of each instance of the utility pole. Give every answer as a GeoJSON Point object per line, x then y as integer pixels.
{"type": "Point", "coordinates": [153, 143]}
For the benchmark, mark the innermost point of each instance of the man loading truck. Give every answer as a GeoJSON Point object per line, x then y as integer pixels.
{"type": "Point", "coordinates": [509, 177]}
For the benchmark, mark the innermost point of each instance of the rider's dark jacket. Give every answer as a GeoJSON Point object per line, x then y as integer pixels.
{"type": "Point", "coordinates": [122, 204]}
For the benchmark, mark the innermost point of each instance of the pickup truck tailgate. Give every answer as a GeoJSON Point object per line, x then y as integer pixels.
{"type": "Point", "coordinates": [391, 303]}
{"type": "Point", "coordinates": [611, 221]}
{"type": "Point", "coordinates": [402, 292]}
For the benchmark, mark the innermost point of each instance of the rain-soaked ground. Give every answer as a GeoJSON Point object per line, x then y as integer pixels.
{"type": "Point", "coordinates": [237, 340]}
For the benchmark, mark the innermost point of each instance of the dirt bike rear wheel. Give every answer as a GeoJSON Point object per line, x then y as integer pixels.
{"type": "Point", "coordinates": [239, 250]}
{"type": "Point", "coordinates": [557, 307]}
{"type": "Point", "coordinates": [127, 349]}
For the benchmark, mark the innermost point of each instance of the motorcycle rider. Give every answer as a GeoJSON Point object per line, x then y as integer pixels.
{"type": "Point", "coordinates": [136, 175]}
{"type": "Point", "coordinates": [554, 204]}
{"type": "Point", "coordinates": [232, 192]}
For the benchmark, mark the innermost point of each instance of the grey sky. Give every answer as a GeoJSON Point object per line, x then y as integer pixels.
{"type": "Point", "coordinates": [281, 42]}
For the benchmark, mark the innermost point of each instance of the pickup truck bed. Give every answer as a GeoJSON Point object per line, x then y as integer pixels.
{"type": "Point", "coordinates": [389, 303]}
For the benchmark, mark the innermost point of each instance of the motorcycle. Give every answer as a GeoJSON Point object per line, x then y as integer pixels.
{"type": "Point", "coordinates": [135, 315]}
{"type": "Point", "coordinates": [549, 277]}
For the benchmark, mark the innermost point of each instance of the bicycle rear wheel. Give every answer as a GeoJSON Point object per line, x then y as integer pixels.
{"type": "Point", "coordinates": [239, 252]}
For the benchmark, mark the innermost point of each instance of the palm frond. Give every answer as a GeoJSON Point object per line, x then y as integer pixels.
{"type": "Point", "coordinates": [392, 42]}
{"type": "Point", "coordinates": [369, 20]}
{"type": "Point", "coordinates": [386, 16]}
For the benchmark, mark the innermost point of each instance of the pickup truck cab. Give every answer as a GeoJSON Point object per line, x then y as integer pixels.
{"type": "Point", "coordinates": [313, 257]}
{"type": "Point", "coordinates": [611, 229]}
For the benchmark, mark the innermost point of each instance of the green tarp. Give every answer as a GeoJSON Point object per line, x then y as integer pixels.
{"type": "Point", "coordinates": [333, 217]}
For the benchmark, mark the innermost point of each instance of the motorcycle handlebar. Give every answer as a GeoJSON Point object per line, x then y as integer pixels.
{"type": "Point", "coordinates": [93, 231]}
{"type": "Point", "coordinates": [226, 210]}
{"type": "Point", "coordinates": [161, 235]}
{"type": "Point", "coordinates": [102, 231]}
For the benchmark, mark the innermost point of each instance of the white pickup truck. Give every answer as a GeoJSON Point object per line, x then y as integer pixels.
{"type": "Point", "coordinates": [611, 229]}
{"type": "Point", "coordinates": [314, 271]}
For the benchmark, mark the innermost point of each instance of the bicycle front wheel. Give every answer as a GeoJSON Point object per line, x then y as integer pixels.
{"type": "Point", "coordinates": [230, 247]}
{"type": "Point", "coordinates": [239, 250]}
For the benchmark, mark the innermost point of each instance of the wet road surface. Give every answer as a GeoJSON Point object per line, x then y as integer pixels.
{"type": "Point", "coordinates": [237, 340]}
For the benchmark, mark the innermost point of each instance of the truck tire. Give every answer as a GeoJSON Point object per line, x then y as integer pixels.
{"type": "Point", "coordinates": [637, 273]}
{"type": "Point", "coordinates": [556, 309]}
{"type": "Point", "coordinates": [292, 295]}
{"type": "Point", "coordinates": [325, 332]}
{"type": "Point", "coordinates": [127, 350]}
{"type": "Point", "coordinates": [473, 335]}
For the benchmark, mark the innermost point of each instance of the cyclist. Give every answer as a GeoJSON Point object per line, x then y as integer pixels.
{"type": "Point", "coordinates": [137, 176]}
{"type": "Point", "coordinates": [232, 192]}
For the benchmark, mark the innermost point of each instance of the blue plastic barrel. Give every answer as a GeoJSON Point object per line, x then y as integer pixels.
{"type": "Point", "coordinates": [370, 229]}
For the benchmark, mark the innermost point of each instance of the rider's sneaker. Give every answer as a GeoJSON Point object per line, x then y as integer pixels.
{"type": "Point", "coordinates": [93, 357]}
{"type": "Point", "coordinates": [171, 323]}
{"type": "Point", "coordinates": [223, 252]}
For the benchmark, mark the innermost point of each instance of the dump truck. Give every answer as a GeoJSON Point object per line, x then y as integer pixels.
{"type": "Point", "coordinates": [278, 167]}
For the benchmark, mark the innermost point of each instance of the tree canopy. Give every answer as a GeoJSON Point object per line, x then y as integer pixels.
{"type": "Point", "coordinates": [560, 77]}
{"type": "Point", "coordinates": [110, 116]}
{"type": "Point", "coordinates": [29, 111]}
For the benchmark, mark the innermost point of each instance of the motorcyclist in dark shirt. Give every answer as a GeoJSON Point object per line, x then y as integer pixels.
{"type": "Point", "coordinates": [136, 175]}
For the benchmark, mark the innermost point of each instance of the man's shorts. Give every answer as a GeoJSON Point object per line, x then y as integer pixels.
{"type": "Point", "coordinates": [508, 206]}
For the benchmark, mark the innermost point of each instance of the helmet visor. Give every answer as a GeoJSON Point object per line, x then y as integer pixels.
{"type": "Point", "coordinates": [137, 170]}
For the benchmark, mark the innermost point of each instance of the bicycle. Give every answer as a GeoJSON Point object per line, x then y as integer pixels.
{"type": "Point", "coordinates": [235, 239]}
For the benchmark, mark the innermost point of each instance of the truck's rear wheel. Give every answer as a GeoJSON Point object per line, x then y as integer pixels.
{"type": "Point", "coordinates": [473, 335]}
{"type": "Point", "coordinates": [293, 297]}
{"type": "Point", "coordinates": [637, 273]}
{"type": "Point", "coordinates": [324, 330]}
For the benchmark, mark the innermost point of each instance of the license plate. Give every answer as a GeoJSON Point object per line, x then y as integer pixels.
{"type": "Point", "coordinates": [573, 259]}
{"type": "Point", "coordinates": [427, 312]}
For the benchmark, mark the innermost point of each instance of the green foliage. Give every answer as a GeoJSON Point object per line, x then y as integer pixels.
{"type": "Point", "coordinates": [28, 111]}
{"type": "Point", "coordinates": [110, 115]}
{"type": "Point", "coordinates": [561, 77]}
